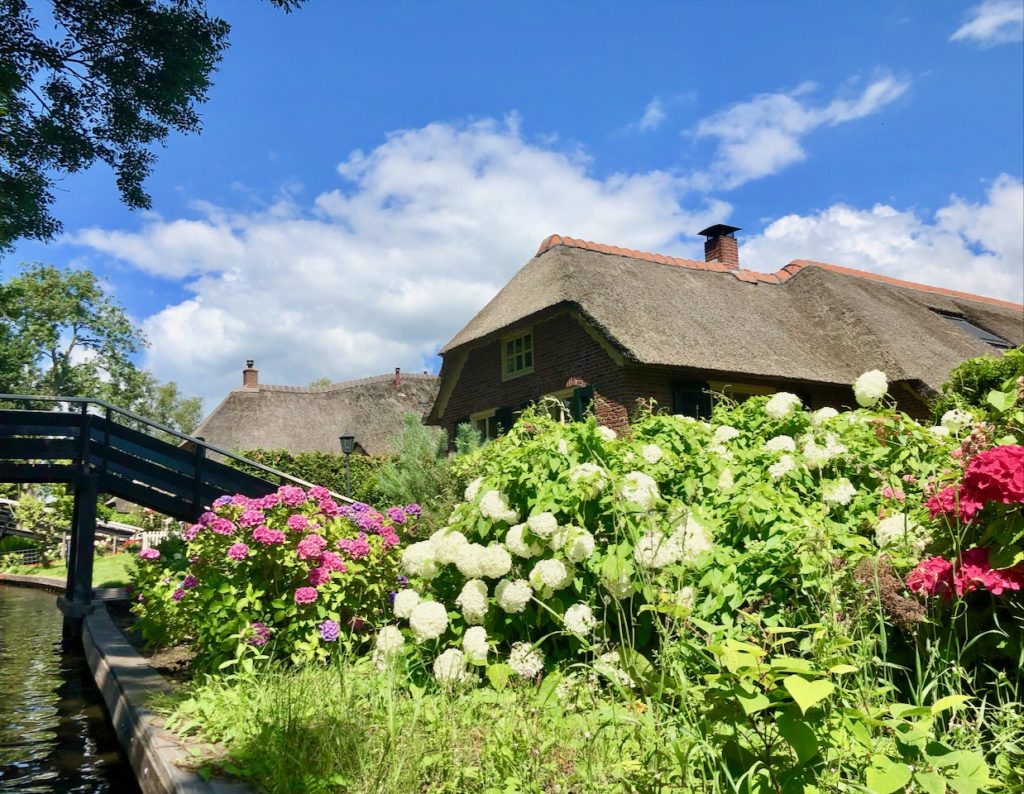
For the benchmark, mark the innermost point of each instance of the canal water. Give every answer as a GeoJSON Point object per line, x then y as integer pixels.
{"type": "Point", "coordinates": [55, 735]}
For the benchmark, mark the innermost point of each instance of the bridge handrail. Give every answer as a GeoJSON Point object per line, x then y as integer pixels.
{"type": "Point", "coordinates": [110, 408]}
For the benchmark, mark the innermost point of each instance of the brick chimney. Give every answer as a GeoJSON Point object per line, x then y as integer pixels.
{"type": "Point", "coordinates": [250, 376]}
{"type": "Point", "coordinates": [398, 377]}
{"type": "Point", "coordinates": [721, 245]}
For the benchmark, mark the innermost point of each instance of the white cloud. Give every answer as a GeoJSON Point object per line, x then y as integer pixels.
{"type": "Point", "coordinates": [380, 272]}
{"type": "Point", "coordinates": [654, 116]}
{"type": "Point", "coordinates": [761, 136]}
{"type": "Point", "coordinates": [975, 247]}
{"type": "Point", "coordinates": [993, 22]}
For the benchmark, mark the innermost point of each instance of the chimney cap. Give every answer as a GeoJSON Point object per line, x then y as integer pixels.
{"type": "Point", "coordinates": [248, 363]}
{"type": "Point", "coordinates": [719, 230]}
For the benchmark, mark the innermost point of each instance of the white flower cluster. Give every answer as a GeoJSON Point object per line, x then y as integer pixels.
{"type": "Point", "coordinates": [939, 431]}
{"type": "Point", "coordinates": [548, 576]}
{"type": "Point", "coordinates": [610, 666]}
{"type": "Point", "coordinates": [780, 444]}
{"type": "Point", "coordinates": [870, 387]}
{"type": "Point", "coordinates": [685, 597]}
{"type": "Point", "coordinates": [640, 489]}
{"type": "Point", "coordinates": [473, 601]}
{"type": "Point", "coordinates": [513, 595]}
{"type": "Point", "coordinates": [898, 530]}
{"type": "Point", "coordinates": [450, 667]}
{"type": "Point", "coordinates": [473, 489]}
{"type": "Point", "coordinates": [578, 545]}
{"type": "Point", "coordinates": [725, 480]}
{"type": "Point", "coordinates": [840, 492]}
{"type": "Point", "coordinates": [782, 467]}
{"type": "Point", "coordinates": [579, 619]}
{"type": "Point", "coordinates": [405, 602]}
{"type": "Point", "coordinates": [474, 645]}
{"type": "Point", "coordinates": [956, 420]}
{"type": "Point", "coordinates": [543, 525]}
{"type": "Point", "coordinates": [494, 507]}
{"type": "Point", "coordinates": [822, 415]}
{"type": "Point", "coordinates": [656, 550]}
{"type": "Point", "coordinates": [724, 433]}
{"type": "Point", "coordinates": [781, 405]}
{"type": "Point", "coordinates": [607, 433]}
{"type": "Point", "coordinates": [516, 544]}
{"type": "Point", "coordinates": [652, 453]}
{"type": "Point", "coordinates": [419, 560]}
{"type": "Point", "coordinates": [590, 478]}
{"type": "Point", "coordinates": [428, 620]}
{"type": "Point", "coordinates": [389, 642]}
{"type": "Point", "coordinates": [817, 455]}
{"type": "Point", "coordinates": [525, 660]}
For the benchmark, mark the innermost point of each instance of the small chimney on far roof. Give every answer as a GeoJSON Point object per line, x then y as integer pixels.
{"type": "Point", "coordinates": [398, 377]}
{"type": "Point", "coordinates": [250, 376]}
{"type": "Point", "coordinates": [721, 245]}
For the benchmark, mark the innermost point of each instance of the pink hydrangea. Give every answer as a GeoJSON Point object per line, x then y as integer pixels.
{"type": "Point", "coordinates": [356, 548]}
{"type": "Point", "coordinates": [996, 475]}
{"type": "Point", "coordinates": [305, 595]}
{"type": "Point", "coordinates": [318, 492]}
{"type": "Point", "coordinates": [298, 523]}
{"type": "Point", "coordinates": [932, 577]}
{"type": "Point", "coordinates": [267, 536]}
{"type": "Point", "coordinates": [238, 551]}
{"type": "Point", "coordinates": [319, 576]}
{"type": "Point", "coordinates": [206, 518]}
{"type": "Point", "coordinates": [149, 554]}
{"type": "Point", "coordinates": [953, 501]}
{"type": "Point", "coordinates": [222, 526]}
{"type": "Point", "coordinates": [268, 501]}
{"type": "Point", "coordinates": [894, 493]}
{"type": "Point", "coordinates": [251, 518]}
{"type": "Point", "coordinates": [974, 572]}
{"type": "Point", "coordinates": [310, 546]}
{"type": "Point", "coordinates": [389, 537]}
{"type": "Point", "coordinates": [329, 508]}
{"type": "Point", "coordinates": [191, 531]}
{"type": "Point", "coordinates": [332, 560]}
{"type": "Point", "coordinates": [291, 495]}
{"type": "Point", "coordinates": [260, 634]}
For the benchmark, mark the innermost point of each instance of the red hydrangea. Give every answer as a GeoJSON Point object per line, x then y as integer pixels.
{"type": "Point", "coordinates": [997, 475]}
{"type": "Point", "coordinates": [954, 501]}
{"type": "Point", "coordinates": [939, 577]}
{"type": "Point", "coordinates": [932, 577]}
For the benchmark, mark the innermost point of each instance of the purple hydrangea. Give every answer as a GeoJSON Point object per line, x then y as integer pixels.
{"type": "Point", "coordinates": [149, 554]}
{"type": "Point", "coordinates": [329, 630]}
{"type": "Point", "coordinates": [220, 501]}
{"type": "Point", "coordinates": [178, 594]}
{"type": "Point", "coordinates": [260, 634]}
{"type": "Point", "coordinates": [413, 510]}
{"type": "Point", "coordinates": [397, 515]}
{"type": "Point", "coordinates": [189, 582]}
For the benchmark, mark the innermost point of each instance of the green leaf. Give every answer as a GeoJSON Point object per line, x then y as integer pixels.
{"type": "Point", "coordinates": [842, 669]}
{"type": "Point", "coordinates": [750, 700]}
{"type": "Point", "coordinates": [498, 675]}
{"type": "Point", "coordinates": [949, 702]}
{"type": "Point", "coordinates": [930, 782]}
{"type": "Point", "coordinates": [1002, 400]}
{"type": "Point", "coordinates": [885, 776]}
{"type": "Point", "coordinates": [807, 693]}
{"type": "Point", "coordinates": [799, 735]}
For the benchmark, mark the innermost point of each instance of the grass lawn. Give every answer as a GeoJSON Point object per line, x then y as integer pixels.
{"type": "Point", "coordinates": [112, 571]}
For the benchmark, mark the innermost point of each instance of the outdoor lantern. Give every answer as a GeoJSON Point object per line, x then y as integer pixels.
{"type": "Point", "coordinates": [348, 444]}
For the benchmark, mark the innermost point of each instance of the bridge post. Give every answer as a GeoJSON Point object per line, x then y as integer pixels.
{"type": "Point", "coordinates": [77, 599]}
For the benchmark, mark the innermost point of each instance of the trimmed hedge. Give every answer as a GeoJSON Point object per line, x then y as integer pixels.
{"type": "Point", "coordinates": [324, 468]}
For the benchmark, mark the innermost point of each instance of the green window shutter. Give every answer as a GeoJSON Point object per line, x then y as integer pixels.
{"type": "Point", "coordinates": [582, 400]}
{"type": "Point", "coordinates": [503, 416]}
{"type": "Point", "coordinates": [691, 398]}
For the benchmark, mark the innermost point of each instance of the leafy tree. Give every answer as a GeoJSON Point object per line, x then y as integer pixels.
{"type": "Point", "coordinates": [970, 382]}
{"type": "Point", "coordinates": [99, 81]}
{"type": "Point", "coordinates": [324, 381]}
{"type": "Point", "coordinates": [419, 472]}
{"type": "Point", "coordinates": [164, 403]}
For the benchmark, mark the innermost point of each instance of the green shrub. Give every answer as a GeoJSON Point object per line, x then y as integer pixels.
{"type": "Point", "coordinates": [326, 469]}
{"type": "Point", "coordinates": [969, 383]}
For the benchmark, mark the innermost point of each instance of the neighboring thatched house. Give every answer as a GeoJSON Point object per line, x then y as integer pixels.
{"type": "Point", "coordinates": [590, 323]}
{"type": "Point", "coordinates": [311, 418]}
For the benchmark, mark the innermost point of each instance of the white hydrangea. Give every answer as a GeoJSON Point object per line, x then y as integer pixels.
{"type": "Point", "coordinates": [816, 455]}
{"type": "Point", "coordinates": [473, 601]}
{"type": "Point", "coordinates": [781, 405]}
{"type": "Point", "coordinates": [610, 666]}
{"type": "Point", "coordinates": [725, 480]}
{"type": "Point", "coordinates": [822, 415]}
{"type": "Point", "coordinates": [418, 560]}
{"type": "Point", "coordinates": [494, 507]}
{"type": "Point", "coordinates": [405, 602]}
{"type": "Point", "coordinates": [685, 597]}
{"type": "Point", "coordinates": [513, 595]}
{"type": "Point", "coordinates": [870, 387]}
{"type": "Point", "coordinates": [473, 489]}
{"type": "Point", "coordinates": [607, 433]}
{"type": "Point", "coordinates": [543, 525]}
{"type": "Point", "coordinates": [839, 492]}
{"type": "Point", "coordinates": [525, 660]}
{"type": "Point", "coordinates": [496, 561]}
{"type": "Point", "coordinates": [956, 420]}
{"type": "Point", "coordinates": [939, 431]}
{"type": "Point", "coordinates": [780, 444]}
{"type": "Point", "coordinates": [652, 453]}
{"type": "Point", "coordinates": [450, 667]}
{"type": "Point", "coordinates": [563, 447]}
{"type": "Point", "coordinates": [899, 530]}
{"type": "Point", "coordinates": [589, 478]}
{"type": "Point", "coordinates": [471, 560]}
{"type": "Point", "coordinates": [691, 539]}
{"type": "Point", "coordinates": [579, 619]}
{"type": "Point", "coordinates": [654, 550]}
{"type": "Point", "coordinates": [474, 645]}
{"type": "Point", "coordinates": [550, 575]}
{"type": "Point", "coordinates": [832, 445]}
{"type": "Point", "coordinates": [515, 543]}
{"type": "Point", "coordinates": [428, 620]}
{"type": "Point", "coordinates": [447, 545]}
{"type": "Point", "coordinates": [580, 545]}
{"type": "Point", "coordinates": [782, 467]}
{"type": "Point", "coordinates": [640, 489]}
{"type": "Point", "coordinates": [389, 642]}
{"type": "Point", "coordinates": [723, 434]}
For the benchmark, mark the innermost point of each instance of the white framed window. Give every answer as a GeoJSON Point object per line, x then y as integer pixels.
{"type": "Point", "coordinates": [739, 391]}
{"type": "Point", "coordinates": [562, 411]}
{"type": "Point", "coordinates": [517, 355]}
{"type": "Point", "coordinates": [486, 424]}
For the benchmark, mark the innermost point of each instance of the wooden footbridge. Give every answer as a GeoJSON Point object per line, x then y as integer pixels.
{"type": "Point", "coordinates": [96, 447]}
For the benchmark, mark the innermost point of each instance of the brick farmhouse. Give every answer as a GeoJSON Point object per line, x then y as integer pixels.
{"type": "Point", "coordinates": [601, 327]}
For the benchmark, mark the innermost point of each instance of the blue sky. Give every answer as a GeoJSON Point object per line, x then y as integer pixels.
{"type": "Point", "coordinates": [368, 176]}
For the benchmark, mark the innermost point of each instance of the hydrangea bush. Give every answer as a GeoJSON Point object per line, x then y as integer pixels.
{"type": "Point", "coordinates": [284, 574]}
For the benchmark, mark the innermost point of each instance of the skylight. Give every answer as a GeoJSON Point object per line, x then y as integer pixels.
{"type": "Point", "coordinates": [979, 333]}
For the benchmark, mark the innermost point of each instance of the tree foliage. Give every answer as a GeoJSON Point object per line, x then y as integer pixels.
{"type": "Point", "coordinates": [323, 468]}
{"type": "Point", "coordinates": [96, 81]}
{"type": "Point", "coordinates": [970, 382]}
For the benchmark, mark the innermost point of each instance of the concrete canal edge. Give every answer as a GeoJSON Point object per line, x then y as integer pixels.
{"type": "Point", "coordinates": [125, 680]}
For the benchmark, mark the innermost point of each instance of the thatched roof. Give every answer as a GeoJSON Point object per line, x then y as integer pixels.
{"type": "Point", "coordinates": [809, 321]}
{"type": "Point", "coordinates": [310, 418]}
